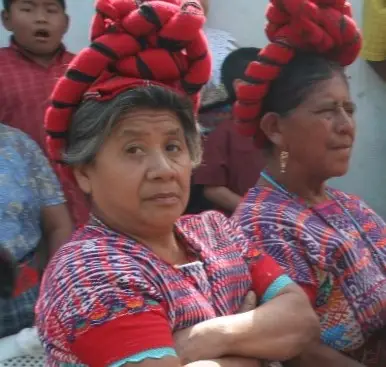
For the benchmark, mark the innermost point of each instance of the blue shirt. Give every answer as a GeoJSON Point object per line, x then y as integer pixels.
{"type": "Point", "coordinates": [27, 184]}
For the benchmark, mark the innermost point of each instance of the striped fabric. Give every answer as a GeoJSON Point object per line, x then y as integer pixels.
{"type": "Point", "coordinates": [106, 298]}
{"type": "Point", "coordinates": [132, 43]}
{"type": "Point", "coordinates": [321, 26]}
{"type": "Point", "coordinates": [343, 274]}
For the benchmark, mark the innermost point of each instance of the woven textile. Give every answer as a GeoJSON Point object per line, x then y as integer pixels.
{"type": "Point", "coordinates": [105, 284]}
{"type": "Point", "coordinates": [343, 274]}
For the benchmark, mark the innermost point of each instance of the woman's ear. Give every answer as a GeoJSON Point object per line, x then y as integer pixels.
{"type": "Point", "coordinates": [82, 177]}
{"type": "Point", "coordinates": [270, 124]}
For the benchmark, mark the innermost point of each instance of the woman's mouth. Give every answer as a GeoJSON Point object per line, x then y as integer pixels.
{"type": "Point", "coordinates": [164, 198]}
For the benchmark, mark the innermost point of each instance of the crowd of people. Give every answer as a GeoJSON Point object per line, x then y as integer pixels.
{"type": "Point", "coordinates": [163, 196]}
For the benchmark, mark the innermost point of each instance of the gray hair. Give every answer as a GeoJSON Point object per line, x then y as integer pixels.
{"type": "Point", "coordinates": [94, 121]}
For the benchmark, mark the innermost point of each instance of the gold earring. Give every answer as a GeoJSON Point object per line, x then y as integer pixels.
{"type": "Point", "coordinates": [283, 161]}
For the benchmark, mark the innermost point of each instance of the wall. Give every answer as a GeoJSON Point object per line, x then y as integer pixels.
{"type": "Point", "coordinates": [367, 176]}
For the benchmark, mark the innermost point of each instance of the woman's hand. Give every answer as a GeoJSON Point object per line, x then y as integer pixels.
{"type": "Point", "coordinates": [203, 341]}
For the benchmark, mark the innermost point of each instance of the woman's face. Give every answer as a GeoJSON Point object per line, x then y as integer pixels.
{"type": "Point", "coordinates": [319, 134]}
{"type": "Point", "coordinates": [140, 179]}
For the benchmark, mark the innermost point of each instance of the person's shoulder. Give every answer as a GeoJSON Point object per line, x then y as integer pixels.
{"type": "Point", "coordinates": [13, 136]}
{"type": "Point", "coordinates": [8, 57]}
{"type": "Point", "coordinates": [264, 205]}
{"type": "Point", "coordinates": [92, 261]}
{"type": "Point", "coordinates": [67, 56]}
{"type": "Point", "coordinates": [211, 228]}
{"type": "Point", "coordinates": [342, 195]}
{"type": "Point", "coordinates": [6, 52]}
{"type": "Point", "coordinates": [352, 201]}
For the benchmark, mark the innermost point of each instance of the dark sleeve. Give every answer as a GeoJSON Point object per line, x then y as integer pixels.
{"type": "Point", "coordinates": [214, 168]}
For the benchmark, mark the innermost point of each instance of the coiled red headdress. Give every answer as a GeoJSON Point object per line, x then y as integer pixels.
{"type": "Point", "coordinates": [325, 27]}
{"type": "Point", "coordinates": [132, 42]}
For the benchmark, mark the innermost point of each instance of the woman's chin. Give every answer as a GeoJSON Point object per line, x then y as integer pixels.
{"type": "Point", "coordinates": [165, 217]}
{"type": "Point", "coordinates": [340, 170]}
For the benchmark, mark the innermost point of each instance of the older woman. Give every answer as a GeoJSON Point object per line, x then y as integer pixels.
{"type": "Point", "coordinates": [330, 242]}
{"type": "Point", "coordinates": [136, 274]}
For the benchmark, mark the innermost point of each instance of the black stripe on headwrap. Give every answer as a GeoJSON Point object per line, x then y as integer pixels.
{"type": "Point", "coordinates": [78, 76]}
{"type": "Point", "coordinates": [267, 61]}
{"type": "Point", "coordinates": [147, 11]}
{"type": "Point", "coordinates": [63, 105]}
{"type": "Point", "coordinates": [143, 69]}
{"type": "Point", "coordinates": [171, 45]}
{"type": "Point", "coordinates": [104, 50]}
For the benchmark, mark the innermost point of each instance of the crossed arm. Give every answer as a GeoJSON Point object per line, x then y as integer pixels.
{"type": "Point", "coordinates": [278, 330]}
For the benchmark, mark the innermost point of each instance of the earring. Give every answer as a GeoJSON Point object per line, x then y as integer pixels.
{"type": "Point", "coordinates": [283, 161]}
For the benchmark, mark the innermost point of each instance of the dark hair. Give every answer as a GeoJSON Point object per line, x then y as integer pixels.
{"type": "Point", "coordinates": [296, 80]}
{"type": "Point", "coordinates": [234, 67]}
{"type": "Point", "coordinates": [94, 121]}
{"type": "Point", "coordinates": [7, 4]}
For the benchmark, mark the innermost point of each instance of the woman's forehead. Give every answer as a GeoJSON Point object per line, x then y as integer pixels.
{"type": "Point", "coordinates": [145, 122]}
{"type": "Point", "coordinates": [334, 88]}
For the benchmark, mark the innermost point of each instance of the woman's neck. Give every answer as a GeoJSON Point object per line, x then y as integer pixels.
{"type": "Point", "coordinates": [295, 181]}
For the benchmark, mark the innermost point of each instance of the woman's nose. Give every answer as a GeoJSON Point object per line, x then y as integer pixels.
{"type": "Point", "coordinates": [345, 122]}
{"type": "Point", "coordinates": [160, 167]}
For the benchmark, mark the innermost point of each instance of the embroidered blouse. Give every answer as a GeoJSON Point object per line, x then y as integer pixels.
{"type": "Point", "coordinates": [107, 300]}
{"type": "Point", "coordinates": [322, 250]}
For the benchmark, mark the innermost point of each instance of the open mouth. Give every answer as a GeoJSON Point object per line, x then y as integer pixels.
{"type": "Point", "coordinates": [42, 34]}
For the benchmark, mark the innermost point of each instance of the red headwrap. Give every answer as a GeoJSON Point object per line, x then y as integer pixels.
{"type": "Point", "coordinates": [325, 27]}
{"type": "Point", "coordinates": [133, 42]}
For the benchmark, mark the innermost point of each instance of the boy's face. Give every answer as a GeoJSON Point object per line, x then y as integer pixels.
{"type": "Point", "coordinates": [37, 25]}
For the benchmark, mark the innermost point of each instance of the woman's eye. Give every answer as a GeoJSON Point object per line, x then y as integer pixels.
{"type": "Point", "coordinates": [173, 148]}
{"type": "Point", "coordinates": [327, 113]}
{"type": "Point", "coordinates": [350, 110]}
{"type": "Point", "coordinates": [134, 150]}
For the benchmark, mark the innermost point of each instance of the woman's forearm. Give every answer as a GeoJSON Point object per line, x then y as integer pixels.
{"type": "Point", "coordinates": [278, 330]}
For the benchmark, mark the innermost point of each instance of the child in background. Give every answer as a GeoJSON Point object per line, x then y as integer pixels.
{"type": "Point", "coordinates": [213, 98]}
{"type": "Point", "coordinates": [231, 163]}
{"type": "Point", "coordinates": [32, 63]}
{"type": "Point", "coordinates": [29, 69]}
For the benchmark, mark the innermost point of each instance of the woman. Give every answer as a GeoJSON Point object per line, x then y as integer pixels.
{"type": "Point", "coordinates": [329, 242]}
{"type": "Point", "coordinates": [33, 221]}
{"type": "Point", "coordinates": [136, 273]}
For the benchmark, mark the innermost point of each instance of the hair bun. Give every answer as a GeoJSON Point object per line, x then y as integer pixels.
{"type": "Point", "coordinates": [160, 41]}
